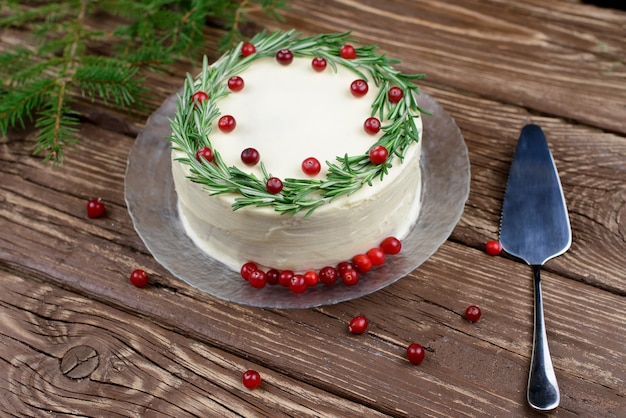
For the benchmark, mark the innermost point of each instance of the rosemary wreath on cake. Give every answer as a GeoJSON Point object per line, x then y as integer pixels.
{"type": "Point", "coordinates": [197, 110]}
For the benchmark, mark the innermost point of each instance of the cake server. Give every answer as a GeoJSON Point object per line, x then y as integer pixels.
{"type": "Point", "coordinates": [535, 228]}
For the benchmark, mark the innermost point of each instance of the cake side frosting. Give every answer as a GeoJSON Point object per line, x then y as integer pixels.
{"type": "Point", "coordinates": [288, 113]}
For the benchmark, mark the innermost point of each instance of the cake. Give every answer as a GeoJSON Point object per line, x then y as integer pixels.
{"type": "Point", "coordinates": [295, 154]}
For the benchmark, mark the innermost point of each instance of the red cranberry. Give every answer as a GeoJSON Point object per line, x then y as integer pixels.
{"type": "Point", "coordinates": [347, 52]}
{"type": "Point", "coordinates": [250, 156]}
{"type": "Point", "coordinates": [235, 83]}
{"type": "Point", "coordinates": [328, 275]}
{"type": "Point", "coordinates": [205, 152]}
{"type": "Point", "coordinates": [395, 94]}
{"type": "Point", "coordinates": [284, 278]}
{"type": "Point", "coordinates": [358, 325]}
{"type": "Point", "coordinates": [95, 208]}
{"type": "Point", "coordinates": [318, 64]}
{"type": "Point", "coordinates": [258, 279]}
{"type": "Point", "coordinates": [415, 353]}
{"type": "Point", "coordinates": [362, 263]}
{"type": "Point", "coordinates": [226, 123]}
{"type": "Point", "coordinates": [372, 125]}
{"type": "Point", "coordinates": [391, 245]}
{"type": "Point", "coordinates": [359, 88]}
{"type": "Point", "coordinates": [139, 278]}
{"type": "Point", "coordinates": [247, 49]}
{"type": "Point", "coordinates": [472, 313]}
{"type": "Point", "coordinates": [378, 155]}
{"type": "Point", "coordinates": [247, 269]}
{"type": "Point", "coordinates": [350, 277]}
{"type": "Point", "coordinates": [272, 276]}
{"type": "Point", "coordinates": [298, 284]}
{"type": "Point", "coordinates": [274, 185]}
{"type": "Point", "coordinates": [493, 247]}
{"type": "Point", "coordinates": [251, 379]}
{"type": "Point", "coordinates": [199, 96]}
{"type": "Point", "coordinates": [377, 255]}
{"type": "Point", "coordinates": [312, 278]}
{"type": "Point", "coordinates": [311, 166]}
{"type": "Point", "coordinates": [284, 57]}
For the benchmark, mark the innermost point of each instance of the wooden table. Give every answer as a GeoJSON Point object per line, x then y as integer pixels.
{"type": "Point", "coordinates": [77, 339]}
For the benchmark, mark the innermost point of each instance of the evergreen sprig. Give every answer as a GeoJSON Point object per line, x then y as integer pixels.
{"type": "Point", "coordinates": [191, 125]}
{"type": "Point", "coordinates": [40, 83]}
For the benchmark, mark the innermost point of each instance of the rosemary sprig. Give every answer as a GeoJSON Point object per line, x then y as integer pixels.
{"type": "Point", "coordinates": [191, 125]}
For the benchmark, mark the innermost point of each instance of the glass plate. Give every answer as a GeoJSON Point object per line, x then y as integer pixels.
{"type": "Point", "coordinates": [151, 201]}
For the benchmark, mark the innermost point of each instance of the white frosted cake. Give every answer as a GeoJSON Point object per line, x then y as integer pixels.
{"type": "Point", "coordinates": [295, 154]}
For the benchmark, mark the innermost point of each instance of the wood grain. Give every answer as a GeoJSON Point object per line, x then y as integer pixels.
{"type": "Point", "coordinates": [454, 44]}
{"type": "Point", "coordinates": [143, 369]}
{"type": "Point", "coordinates": [49, 235]}
{"type": "Point", "coordinates": [169, 350]}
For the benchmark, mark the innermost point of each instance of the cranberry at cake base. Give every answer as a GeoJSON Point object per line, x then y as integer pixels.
{"type": "Point", "coordinates": [289, 113]}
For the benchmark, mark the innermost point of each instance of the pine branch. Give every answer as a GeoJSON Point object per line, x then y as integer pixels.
{"type": "Point", "coordinates": [38, 83]}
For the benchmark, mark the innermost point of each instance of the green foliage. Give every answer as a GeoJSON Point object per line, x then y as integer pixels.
{"type": "Point", "coordinates": [39, 83]}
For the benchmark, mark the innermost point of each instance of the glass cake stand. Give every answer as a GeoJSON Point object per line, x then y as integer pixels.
{"type": "Point", "coordinates": [152, 204]}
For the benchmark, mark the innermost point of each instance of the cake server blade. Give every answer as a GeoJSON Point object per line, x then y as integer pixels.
{"type": "Point", "coordinates": [535, 228]}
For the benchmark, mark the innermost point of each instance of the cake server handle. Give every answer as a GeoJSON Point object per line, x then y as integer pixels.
{"type": "Point", "coordinates": [543, 389]}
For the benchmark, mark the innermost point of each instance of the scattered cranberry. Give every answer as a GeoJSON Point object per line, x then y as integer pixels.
{"type": "Point", "coordinates": [377, 256]}
{"type": "Point", "coordinates": [318, 64]}
{"type": "Point", "coordinates": [378, 155]}
{"type": "Point", "coordinates": [358, 325]}
{"type": "Point", "coordinates": [395, 94]}
{"type": "Point", "coordinates": [247, 49]}
{"type": "Point", "coordinates": [391, 245]}
{"type": "Point", "coordinates": [250, 156]}
{"type": "Point", "coordinates": [311, 166]}
{"type": "Point", "coordinates": [199, 96]}
{"type": "Point", "coordinates": [235, 83]}
{"type": "Point", "coordinates": [247, 269]}
{"type": "Point", "coordinates": [274, 185]}
{"type": "Point", "coordinates": [205, 152]}
{"type": "Point", "coordinates": [493, 247]}
{"type": "Point", "coordinates": [371, 125]}
{"type": "Point", "coordinates": [272, 276]}
{"type": "Point", "coordinates": [359, 88]}
{"type": "Point", "coordinates": [298, 284]}
{"type": "Point", "coordinates": [95, 208]}
{"type": "Point", "coordinates": [226, 123]}
{"type": "Point", "coordinates": [350, 277]}
{"type": "Point", "coordinates": [312, 278]}
{"type": "Point", "coordinates": [415, 353]}
{"type": "Point", "coordinates": [328, 275]}
{"type": "Point", "coordinates": [251, 379]}
{"type": "Point", "coordinates": [472, 313]}
{"type": "Point", "coordinates": [258, 279]}
{"type": "Point", "coordinates": [284, 278]}
{"type": "Point", "coordinates": [284, 57]}
{"type": "Point", "coordinates": [347, 52]}
{"type": "Point", "coordinates": [362, 263]}
{"type": "Point", "coordinates": [139, 278]}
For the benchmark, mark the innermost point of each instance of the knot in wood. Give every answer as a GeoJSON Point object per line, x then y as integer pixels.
{"type": "Point", "coordinates": [79, 362]}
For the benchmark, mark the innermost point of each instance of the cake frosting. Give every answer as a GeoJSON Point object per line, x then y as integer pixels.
{"type": "Point", "coordinates": [289, 112]}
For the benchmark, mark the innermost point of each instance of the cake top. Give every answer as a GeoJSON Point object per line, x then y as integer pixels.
{"type": "Point", "coordinates": [200, 121]}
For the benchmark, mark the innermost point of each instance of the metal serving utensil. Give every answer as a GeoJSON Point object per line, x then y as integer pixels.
{"type": "Point", "coordinates": [535, 228]}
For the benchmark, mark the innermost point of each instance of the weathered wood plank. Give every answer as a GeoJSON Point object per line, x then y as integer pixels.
{"type": "Point", "coordinates": [137, 368]}
{"type": "Point", "coordinates": [178, 351]}
{"type": "Point", "coordinates": [454, 44]}
{"type": "Point", "coordinates": [48, 235]}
